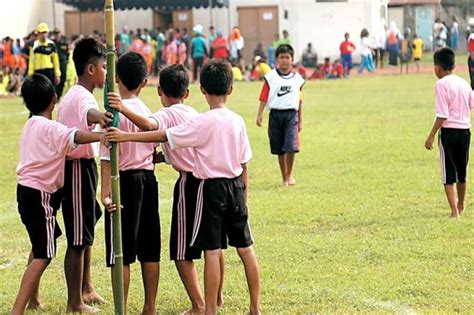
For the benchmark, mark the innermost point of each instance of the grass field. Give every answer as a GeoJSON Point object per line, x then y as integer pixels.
{"type": "Point", "coordinates": [365, 229]}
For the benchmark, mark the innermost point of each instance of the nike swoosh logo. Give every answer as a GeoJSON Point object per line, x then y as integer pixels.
{"type": "Point", "coordinates": [283, 93]}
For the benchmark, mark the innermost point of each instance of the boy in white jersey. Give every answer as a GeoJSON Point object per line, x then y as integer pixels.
{"type": "Point", "coordinates": [281, 93]}
{"type": "Point", "coordinates": [454, 102]}
{"type": "Point", "coordinates": [221, 148]}
{"type": "Point", "coordinates": [141, 235]}
{"type": "Point", "coordinates": [43, 147]}
{"type": "Point", "coordinates": [173, 90]}
{"type": "Point", "coordinates": [81, 211]}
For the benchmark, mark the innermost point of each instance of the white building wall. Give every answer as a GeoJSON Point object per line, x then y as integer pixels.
{"type": "Point", "coordinates": [133, 19]}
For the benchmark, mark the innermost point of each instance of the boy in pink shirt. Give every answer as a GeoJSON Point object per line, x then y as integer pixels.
{"type": "Point", "coordinates": [81, 210]}
{"type": "Point", "coordinates": [43, 147]}
{"type": "Point", "coordinates": [221, 148]}
{"type": "Point", "coordinates": [173, 90]}
{"type": "Point", "coordinates": [454, 102]}
{"type": "Point", "coordinates": [141, 234]}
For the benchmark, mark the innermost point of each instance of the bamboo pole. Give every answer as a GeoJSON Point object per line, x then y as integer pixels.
{"type": "Point", "coordinates": [117, 269]}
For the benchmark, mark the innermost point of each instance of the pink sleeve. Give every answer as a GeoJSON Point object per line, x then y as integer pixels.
{"type": "Point", "coordinates": [185, 135]}
{"type": "Point", "coordinates": [441, 102]}
{"type": "Point", "coordinates": [471, 100]}
{"type": "Point", "coordinates": [162, 119]}
{"type": "Point", "coordinates": [84, 107]}
{"type": "Point", "coordinates": [246, 154]}
{"type": "Point", "coordinates": [63, 138]}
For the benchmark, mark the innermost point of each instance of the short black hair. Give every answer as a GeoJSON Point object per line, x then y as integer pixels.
{"type": "Point", "coordinates": [87, 51]}
{"type": "Point", "coordinates": [216, 77]}
{"type": "Point", "coordinates": [38, 93]}
{"type": "Point", "coordinates": [285, 49]}
{"type": "Point", "coordinates": [131, 70]}
{"type": "Point", "coordinates": [444, 58]}
{"type": "Point", "coordinates": [174, 80]}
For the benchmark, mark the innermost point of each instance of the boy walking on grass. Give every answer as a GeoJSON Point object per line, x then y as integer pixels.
{"type": "Point", "coordinates": [43, 147]}
{"type": "Point", "coordinates": [281, 93]}
{"type": "Point", "coordinates": [173, 90]}
{"type": "Point", "coordinates": [138, 187]}
{"type": "Point", "coordinates": [220, 136]}
{"type": "Point", "coordinates": [454, 102]}
{"type": "Point", "coordinates": [81, 210]}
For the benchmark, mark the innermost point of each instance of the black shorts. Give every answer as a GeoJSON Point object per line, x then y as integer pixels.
{"type": "Point", "coordinates": [182, 219]}
{"type": "Point", "coordinates": [221, 215]}
{"type": "Point", "coordinates": [283, 131]}
{"type": "Point", "coordinates": [141, 234]}
{"type": "Point", "coordinates": [454, 154]}
{"type": "Point", "coordinates": [38, 213]}
{"type": "Point", "coordinates": [81, 211]}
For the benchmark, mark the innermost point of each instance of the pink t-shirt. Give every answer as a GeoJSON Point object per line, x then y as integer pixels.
{"type": "Point", "coordinates": [132, 155]}
{"type": "Point", "coordinates": [72, 112]}
{"type": "Point", "coordinates": [44, 144]}
{"type": "Point", "coordinates": [220, 142]}
{"type": "Point", "coordinates": [167, 117]}
{"type": "Point", "coordinates": [454, 101]}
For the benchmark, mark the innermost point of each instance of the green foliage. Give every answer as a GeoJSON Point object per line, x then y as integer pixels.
{"type": "Point", "coordinates": [365, 229]}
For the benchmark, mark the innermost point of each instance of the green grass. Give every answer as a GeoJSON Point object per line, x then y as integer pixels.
{"type": "Point", "coordinates": [365, 229]}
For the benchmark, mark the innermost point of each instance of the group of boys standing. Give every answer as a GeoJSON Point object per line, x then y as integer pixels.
{"type": "Point", "coordinates": [209, 150]}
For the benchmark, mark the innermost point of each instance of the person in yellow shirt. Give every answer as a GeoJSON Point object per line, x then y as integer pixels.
{"type": "Point", "coordinates": [417, 51]}
{"type": "Point", "coordinates": [44, 57]}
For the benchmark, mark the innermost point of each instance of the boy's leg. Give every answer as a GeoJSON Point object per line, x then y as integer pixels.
{"type": "Point", "coordinates": [150, 276]}
{"type": "Point", "coordinates": [282, 162]}
{"type": "Point", "coordinates": [34, 302]}
{"type": "Point", "coordinates": [220, 295]}
{"type": "Point", "coordinates": [189, 276]}
{"type": "Point", "coordinates": [461, 190]}
{"type": "Point", "coordinates": [290, 161]}
{"type": "Point", "coordinates": [451, 195]}
{"type": "Point", "coordinates": [89, 295]}
{"type": "Point", "coordinates": [252, 273]}
{"type": "Point", "coordinates": [212, 276]}
{"type": "Point", "coordinates": [29, 284]}
{"type": "Point", "coordinates": [74, 271]}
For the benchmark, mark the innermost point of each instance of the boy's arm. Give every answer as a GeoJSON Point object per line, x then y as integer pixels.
{"type": "Point", "coordinates": [116, 135]}
{"type": "Point", "coordinates": [245, 178]}
{"type": "Point", "coordinates": [81, 137]}
{"type": "Point", "coordinates": [261, 108]}
{"type": "Point", "coordinates": [436, 126]}
{"type": "Point", "coordinates": [142, 122]}
{"type": "Point", "coordinates": [300, 117]}
{"type": "Point", "coordinates": [106, 189]}
{"type": "Point", "coordinates": [96, 117]}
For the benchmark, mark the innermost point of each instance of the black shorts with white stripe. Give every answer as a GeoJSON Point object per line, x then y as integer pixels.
{"type": "Point", "coordinates": [38, 213]}
{"type": "Point", "coordinates": [221, 215]}
{"type": "Point", "coordinates": [182, 218]}
{"type": "Point", "coordinates": [454, 154]}
{"type": "Point", "coordinates": [81, 211]}
{"type": "Point", "coordinates": [141, 232]}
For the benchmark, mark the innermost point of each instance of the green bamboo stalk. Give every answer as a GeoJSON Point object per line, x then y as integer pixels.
{"type": "Point", "coordinates": [117, 269]}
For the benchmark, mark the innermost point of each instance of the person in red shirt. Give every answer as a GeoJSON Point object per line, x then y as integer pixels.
{"type": "Point", "coordinates": [326, 67]}
{"type": "Point", "coordinates": [347, 48]}
{"type": "Point", "coordinates": [220, 46]}
{"type": "Point", "coordinates": [337, 70]}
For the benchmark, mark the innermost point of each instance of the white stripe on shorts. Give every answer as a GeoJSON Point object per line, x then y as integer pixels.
{"type": "Point", "coordinates": [198, 215]}
{"type": "Point", "coordinates": [181, 237]}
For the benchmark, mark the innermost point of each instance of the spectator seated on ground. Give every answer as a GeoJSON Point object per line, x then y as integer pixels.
{"type": "Point", "coordinates": [261, 68]}
{"type": "Point", "coordinates": [310, 57]}
{"type": "Point", "coordinates": [337, 70]}
{"type": "Point", "coordinates": [301, 70]}
{"type": "Point", "coordinates": [326, 67]}
{"type": "Point", "coordinates": [317, 74]}
{"type": "Point", "coordinates": [237, 73]}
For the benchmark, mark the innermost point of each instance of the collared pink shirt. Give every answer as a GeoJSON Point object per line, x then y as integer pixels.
{"type": "Point", "coordinates": [220, 142]}
{"type": "Point", "coordinates": [167, 117]}
{"type": "Point", "coordinates": [72, 112]}
{"type": "Point", "coordinates": [454, 100]}
{"type": "Point", "coordinates": [43, 145]}
{"type": "Point", "coordinates": [132, 155]}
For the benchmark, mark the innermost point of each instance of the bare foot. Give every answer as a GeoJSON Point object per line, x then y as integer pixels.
{"type": "Point", "coordinates": [291, 181]}
{"type": "Point", "coordinates": [220, 299]}
{"type": "Point", "coordinates": [92, 298]}
{"type": "Point", "coordinates": [34, 305]}
{"type": "Point", "coordinates": [193, 312]}
{"type": "Point", "coordinates": [254, 311]}
{"type": "Point", "coordinates": [285, 183]}
{"type": "Point", "coordinates": [84, 308]}
{"type": "Point", "coordinates": [460, 208]}
{"type": "Point", "coordinates": [454, 215]}
{"type": "Point", "coordinates": [151, 311]}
